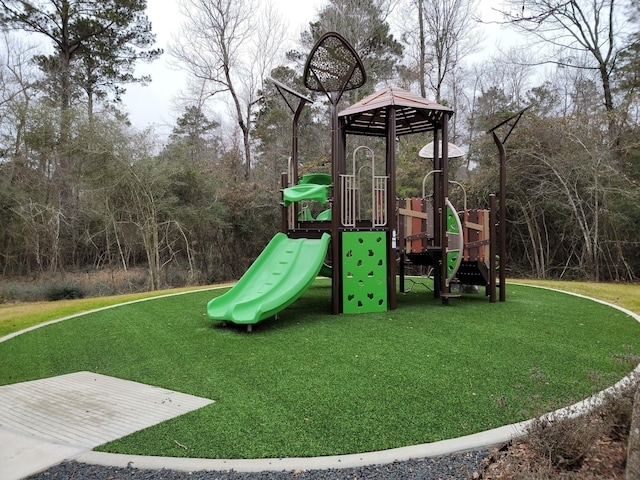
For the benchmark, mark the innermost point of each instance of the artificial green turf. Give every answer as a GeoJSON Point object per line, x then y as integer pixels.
{"type": "Point", "coordinates": [310, 383]}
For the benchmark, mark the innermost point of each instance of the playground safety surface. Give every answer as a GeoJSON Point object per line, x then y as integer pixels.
{"type": "Point", "coordinates": [44, 422]}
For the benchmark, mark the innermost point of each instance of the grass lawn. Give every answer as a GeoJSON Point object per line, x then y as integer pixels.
{"type": "Point", "coordinates": [16, 317]}
{"type": "Point", "coordinates": [310, 383]}
{"type": "Point", "coordinates": [626, 295]}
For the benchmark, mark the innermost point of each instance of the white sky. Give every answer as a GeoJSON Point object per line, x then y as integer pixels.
{"type": "Point", "coordinates": [154, 104]}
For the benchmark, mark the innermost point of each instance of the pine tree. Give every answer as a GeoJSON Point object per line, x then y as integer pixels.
{"type": "Point", "coordinates": [96, 44]}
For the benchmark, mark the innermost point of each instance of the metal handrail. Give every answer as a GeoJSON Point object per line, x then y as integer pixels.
{"type": "Point", "coordinates": [350, 183]}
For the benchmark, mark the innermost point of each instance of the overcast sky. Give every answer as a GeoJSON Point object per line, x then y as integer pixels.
{"type": "Point", "coordinates": [153, 105]}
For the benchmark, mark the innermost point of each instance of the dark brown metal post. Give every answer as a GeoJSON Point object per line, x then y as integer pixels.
{"type": "Point", "coordinates": [294, 143]}
{"type": "Point", "coordinates": [336, 261]}
{"type": "Point", "coordinates": [333, 67]}
{"type": "Point", "coordinates": [400, 241]}
{"type": "Point", "coordinates": [284, 225]}
{"type": "Point", "coordinates": [302, 101]}
{"type": "Point", "coordinates": [492, 247]}
{"type": "Point", "coordinates": [444, 187]}
{"type": "Point", "coordinates": [502, 225]}
{"type": "Point", "coordinates": [437, 208]}
{"type": "Point", "coordinates": [511, 123]}
{"type": "Point", "coordinates": [391, 203]}
{"type": "Point", "coordinates": [294, 154]}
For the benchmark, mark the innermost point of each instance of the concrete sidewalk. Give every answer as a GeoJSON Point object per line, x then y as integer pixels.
{"type": "Point", "coordinates": [44, 422]}
{"type": "Point", "coordinates": [22, 455]}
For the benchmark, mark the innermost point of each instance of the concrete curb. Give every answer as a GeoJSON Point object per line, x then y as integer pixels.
{"type": "Point", "coordinates": [475, 441]}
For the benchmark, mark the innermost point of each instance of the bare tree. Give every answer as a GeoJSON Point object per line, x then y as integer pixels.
{"type": "Point", "coordinates": [509, 72]}
{"type": "Point", "coordinates": [445, 34]}
{"type": "Point", "coordinates": [18, 79]}
{"type": "Point", "coordinates": [580, 34]}
{"type": "Point", "coordinates": [231, 45]}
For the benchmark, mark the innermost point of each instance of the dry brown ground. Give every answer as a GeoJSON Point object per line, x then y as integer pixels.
{"type": "Point", "coordinates": [606, 461]}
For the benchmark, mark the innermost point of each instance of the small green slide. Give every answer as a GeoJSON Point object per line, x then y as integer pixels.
{"type": "Point", "coordinates": [282, 272]}
{"type": "Point", "coordinates": [305, 191]}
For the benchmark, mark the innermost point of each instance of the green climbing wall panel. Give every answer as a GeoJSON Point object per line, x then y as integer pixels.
{"type": "Point", "coordinates": [364, 272]}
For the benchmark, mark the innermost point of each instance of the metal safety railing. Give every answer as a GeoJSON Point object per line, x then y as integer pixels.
{"type": "Point", "coordinates": [353, 208]}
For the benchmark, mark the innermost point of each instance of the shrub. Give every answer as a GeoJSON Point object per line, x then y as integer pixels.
{"type": "Point", "coordinates": [563, 439]}
{"type": "Point", "coordinates": [64, 291]}
{"type": "Point", "coordinates": [617, 408]}
{"type": "Point", "coordinates": [22, 292]}
{"type": "Point", "coordinates": [87, 283]}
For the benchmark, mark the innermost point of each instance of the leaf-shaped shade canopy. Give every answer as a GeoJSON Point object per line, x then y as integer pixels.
{"type": "Point", "coordinates": [287, 93]}
{"type": "Point", "coordinates": [333, 66]}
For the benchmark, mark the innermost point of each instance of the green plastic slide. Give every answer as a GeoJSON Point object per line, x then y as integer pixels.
{"type": "Point", "coordinates": [324, 215]}
{"type": "Point", "coordinates": [283, 271]}
{"type": "Point", "coordinates": [305, 191]}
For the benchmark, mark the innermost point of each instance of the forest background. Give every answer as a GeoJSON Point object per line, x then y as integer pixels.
{"type": "Point", "coordinates": [84, 191]}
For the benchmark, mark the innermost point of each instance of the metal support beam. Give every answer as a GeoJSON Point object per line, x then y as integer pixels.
{"type": "Point", "coordinates": [502, 221]}
{"type": "Point", "coordinates": [510, 123]}
{"type": "Point", "coordinates": [391, 208]}
{"type": "Point", "coordinates": [492, 248]}
{"type": "Point", "coordinates": [444, 193]}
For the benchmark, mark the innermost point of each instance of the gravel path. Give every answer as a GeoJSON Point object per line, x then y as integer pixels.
{"type": "Point", "coordinates": [451, 467]}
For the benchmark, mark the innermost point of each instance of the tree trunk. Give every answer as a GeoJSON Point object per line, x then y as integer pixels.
{"type": "Point", "coordinates": [633, 449]}
{"type": "Point", "coordinates": [244, 126]}
{"type": "Point", "coordinates": [247, 151]}
{"type": "Point", "coordinates": [152, 249]}
{"type": "Point", "coordinates": [423, 51]}
{"type": "Point", "coordinates": [64, 166]}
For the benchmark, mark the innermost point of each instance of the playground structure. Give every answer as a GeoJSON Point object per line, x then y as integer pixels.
{"type": "Point", "coordinates": [368, 234]}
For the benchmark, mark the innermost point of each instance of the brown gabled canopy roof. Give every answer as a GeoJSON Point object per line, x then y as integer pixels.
{"type": "Point", "coordinates": [414, 114]}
